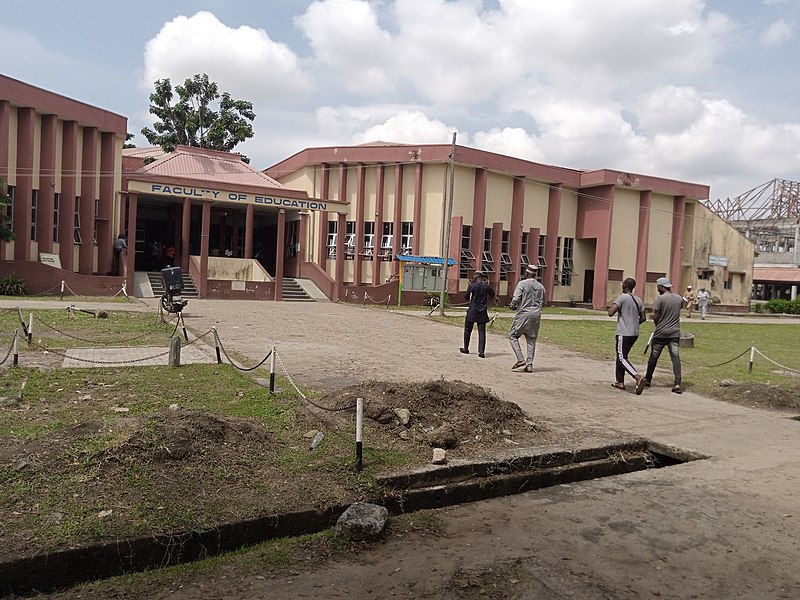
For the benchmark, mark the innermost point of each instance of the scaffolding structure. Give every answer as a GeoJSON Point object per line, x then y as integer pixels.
{"type": "Point", "coordinates": [768, 215]}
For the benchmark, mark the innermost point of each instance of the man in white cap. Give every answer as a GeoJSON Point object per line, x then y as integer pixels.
{"type": "Point", "coordinates": [528, 300]}
{"type": "Point", "coordinates": [689, 298]}
{"type": "Point", "coordinates": [667, 317]}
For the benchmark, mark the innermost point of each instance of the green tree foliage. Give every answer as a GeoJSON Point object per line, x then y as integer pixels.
{"type": "Point", "coordinates": [6, 229]}
{"type": "Point", "coordinates": [187, 116]}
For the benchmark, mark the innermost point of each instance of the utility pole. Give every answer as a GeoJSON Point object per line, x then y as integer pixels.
{"type": "Point", "coordinates": [448, 217]}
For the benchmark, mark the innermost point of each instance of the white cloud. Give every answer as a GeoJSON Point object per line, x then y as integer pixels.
{"type": "Point", "coordinates": [777, 33]}
{"type": "Point", "coordinates": [669, 109]}
{"type": "Point", "coordinates": [243, 61]}
{"type": "Point", "coordinates": [409, 127]}
{"type": "Point", "coordinates": [512, 141]}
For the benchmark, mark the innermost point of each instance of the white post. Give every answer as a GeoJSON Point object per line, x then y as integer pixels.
{"type": "Point", "coordinates": [30, 330]}
{"type": "Point", "coordinates": [273, 358]}
{"type": "Point", "coordinates": [216, 345]}
{"type": "Point", "coordinates": [16, 351]}
{"type": "Point", "coordinates": [359, 428]}
{"type": "Point", "coordinates": [752, 358]}
{"type": "Point", "coordinates": [62, 290]}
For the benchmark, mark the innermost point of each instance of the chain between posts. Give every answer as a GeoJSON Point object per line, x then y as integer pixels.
{"type": "Point", "coordinates": [306, 398]}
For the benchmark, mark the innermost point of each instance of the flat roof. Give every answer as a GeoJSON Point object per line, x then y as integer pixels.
{"type": "Point", "coordinates": [776, 275]}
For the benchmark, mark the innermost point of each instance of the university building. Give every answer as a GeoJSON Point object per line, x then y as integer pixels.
{"type": "Point", "coordinates": [350, 222]}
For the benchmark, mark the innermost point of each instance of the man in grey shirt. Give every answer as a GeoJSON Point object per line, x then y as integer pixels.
{"type": "Point", "coordinates": [528, 299]}
{"type": "Point", "coordinates": [630, 312]}
{"type": "Point", "coordinates": [667, 317]}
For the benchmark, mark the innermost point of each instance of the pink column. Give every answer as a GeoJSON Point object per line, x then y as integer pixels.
{"type": "Point", "coordinates": [69, 165]}
{"type": "Point", "coordinates": [105, 234]}
{"type": "Point", "coordinates": [397, 228]}
{"type": "Point", "coordinates": [456, 223]}
{"type": "Point", "coordinates": [553, 220]}
{"type": "Point", "coordinates": [5, 129]}
{"type": "Point", "coordinates": [497, 245]}
{"type": "Point", "coordinates": [279, 254]}
{"type": "Point", "coordinates": [341, 225]}
{"type": "Point", "coordinates": [249, 221]}
{"type": "Point", "coordinates": [515, 233]}
{"type": "Point", "coordinates": [361, 176]}
{"type": "Point", "coordinates": [379, 189]}
{"type": "Point", "coordinates": [643, 241]}
{"type": "Point", "coordinates": [417, 209]}
{"type": "Point", "coordinates": [24, 188]}
{"type": "Point", "coordinates": [130, 255]}
{"type": "Point", "coordinates": [322, 234]}
{"type": "Point", "coordinates": [676, 251]}
{"type": "Point", "coordinates": [302, 239]}
{"type": "Point", "coordinates": [88, 183]}
{"type": "Point", "coordinates": [47, 184]}
{"type": "Point", "coordinates": [478, 216]}
{"type": "Point", "coordinates": [205, 228]}
{"type": "Point", "coordinates": [186, 222]}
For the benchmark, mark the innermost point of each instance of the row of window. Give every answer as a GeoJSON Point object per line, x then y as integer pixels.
{"type": "Point", "coordinates": [76, 235]}
{"type": "Point", "coordinates": [564, 256]}
{"type": "Point", "coordinates": [367, 248]}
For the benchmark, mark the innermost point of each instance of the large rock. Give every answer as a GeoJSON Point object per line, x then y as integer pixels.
{"type": "Point", "coordinates": [362, 522]}
{"type": "Point", "coordinates": [403, 415]}
{"type": "Point", "coordinates": [443, 436]}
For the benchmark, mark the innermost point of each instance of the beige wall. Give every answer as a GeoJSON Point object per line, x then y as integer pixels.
{"type": "Point", "coordinates": [660, 237]}
{"type": "Point", "coordinates": [499, 197]}
{"type": "Point", "coordinates": [537, 198]}
{"type": "Point", "coordinates": [434, 180]}
{"type": "Point", "coordinates": [624, 231]}
{"type": "Point", "coordinates": [464, 192]}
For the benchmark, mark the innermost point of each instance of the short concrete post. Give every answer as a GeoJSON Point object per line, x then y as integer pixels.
{"type": "Point", "coordinates": [752, 358]}
{"type": "Point", "coordinates": [62, 290]}
{"type": "Point", "coordinates": [273, 358]}
{"type": "Point", "coordinates": [175, 351]}
{"type": "Point", "coordinates": [359, 430]}
{"type": "Point", "coordinates": [16, 349]}
{"type": "Point", "coordinates": [216, 345]}
{"type": "Point", "coordinates": [30, 330]}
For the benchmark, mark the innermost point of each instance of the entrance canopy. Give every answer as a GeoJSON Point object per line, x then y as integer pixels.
{"type": "Point", "coordinates": [776, 275]}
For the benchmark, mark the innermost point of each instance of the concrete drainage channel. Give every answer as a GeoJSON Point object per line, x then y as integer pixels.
{"type": "Point", "coordinates": [431, 487]}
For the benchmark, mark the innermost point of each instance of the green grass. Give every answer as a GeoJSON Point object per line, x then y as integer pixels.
{"type": "Point", "coordinates": [68, 298]}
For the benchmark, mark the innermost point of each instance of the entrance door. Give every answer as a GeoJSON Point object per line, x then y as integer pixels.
{"type": "Point", "coordinates": [588, 285]}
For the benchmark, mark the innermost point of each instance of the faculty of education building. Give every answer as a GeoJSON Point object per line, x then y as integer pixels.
{"type": "Point", "coordinates": [349, 221]}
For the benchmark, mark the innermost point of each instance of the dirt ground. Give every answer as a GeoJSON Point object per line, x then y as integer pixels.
{"type": "Point", "coordinates": [723, 527]}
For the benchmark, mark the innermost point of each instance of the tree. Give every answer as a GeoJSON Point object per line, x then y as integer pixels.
{"type": "Point", "coordinates": [190, 120]}
{"type": "Point", "coordinates": [6, 229]}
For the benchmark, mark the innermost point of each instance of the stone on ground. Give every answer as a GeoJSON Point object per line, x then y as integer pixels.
{"type": "Point", "coordinates": [362, 522]}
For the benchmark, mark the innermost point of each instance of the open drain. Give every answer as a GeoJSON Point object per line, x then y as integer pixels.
{"type": "Point", "coordinates": [470, 481]}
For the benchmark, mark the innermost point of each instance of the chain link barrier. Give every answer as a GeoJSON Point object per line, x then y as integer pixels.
{"type": "Point", "coordinates": [230, 360]}
{"type": "Point", "coordinates": [112, 343]}
{"type": "Point", "coordinates": [10, 348]}
{"type": "Point", "coordinates": [777, 364]}
{"type": "Point", "coordinates": [737, 357]}
{"type": "Point", "coordinates": [303, 396]}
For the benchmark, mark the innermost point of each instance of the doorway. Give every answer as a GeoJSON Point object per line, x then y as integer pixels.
{"type": "Point", "coordinates": [588, 285]}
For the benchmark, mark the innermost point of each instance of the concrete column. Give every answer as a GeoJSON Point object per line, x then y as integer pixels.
{"type": "Point", "coordinates": [88, 185]}
{"type": "Point", "coordinates": [186, 221]}
{"type": "Point", "coordinates": [235, 233]}
{"type": "Point", "coordinates": [415, 243]}
{"type": "Point", "coordinates": [515, 231]}
{"type": "Point", "coordinates": [397, 228]}
{"type": "Point", "coordinates": [534, 233]}
{"type": "Point", "coordinates": [497, 245]}
{"type": "Point", "coordinates": [379, 190]}
{"type": "Point", "coordinates": [130, 255]}
{"type": "Point", "coordinates": [249, 223]}
{"type": "Point", "coordinates": [643, 241]}
{"type": "Point", "coordinates": [453, 273]}
{"type": "Point", "coordinates": [478, 216]}
{"type": "Point", "coordinates": [5, 132]}
{"type": "Point", "coordinates": [302, 239]}
{"type": "Point", "coordinates": [553, 221]}
{"type": "Point", "coordinates": [105, 233]}
{"type": "Point", "coordinates": [69, 165]}
{"type": "Point", "coordinates": [47, 184]}
{"type": "Point", "coordinates": [676, 249]}
{"type": "Point", "coordinates": [361, 176]}
{"type": "Point", "coordinates": [794, 292]}
{"type": "Point", "coordinates": [322, 234]}
{"type": "Point", "coordinates": [24, 188]}
{"type": "Point", "coordinates": [205, 228]}
{"type": "Point", "coordinates": [341, 226]}
{"type": "Point", "coordinates": [280, 252]}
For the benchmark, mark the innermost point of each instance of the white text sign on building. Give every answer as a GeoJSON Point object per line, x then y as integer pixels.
{"type": "Point", "coordinates": [717, 261]}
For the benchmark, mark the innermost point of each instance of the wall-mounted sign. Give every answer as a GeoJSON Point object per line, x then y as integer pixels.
{"type": "Point", "coordinates": [52, 260]}
{"type": "Point", "coordinates": [201, 193]}
{"type": "Point", "coordinates": [717, 261]}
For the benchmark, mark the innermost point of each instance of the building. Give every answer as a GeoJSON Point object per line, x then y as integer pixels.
{"type": "Point", "coordinates": [587, 230]}
{"type": "Point", "coordinates": [769, 215]}
{"type": "Point", "coordinates": [339, 217]}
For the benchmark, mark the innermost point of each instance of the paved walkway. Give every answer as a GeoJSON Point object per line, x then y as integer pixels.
{"type": "Point", "coordinates": [724, 527]}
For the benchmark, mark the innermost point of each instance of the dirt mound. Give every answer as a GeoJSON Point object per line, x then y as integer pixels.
{"type": "Point", "coordinates": [760, 395]}
{"type": "Point", "coordinates": [447, 413]}
{"type": "Point", "coordinates": [186, 435]}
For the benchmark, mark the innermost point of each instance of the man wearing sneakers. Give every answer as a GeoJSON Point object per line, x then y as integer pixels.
{"type": "Point", "coordinates": [478, 295]}
{"type": "Point", "coordinates": [528, 299]}
{"type": "Point", "coordinates": [667, 317]}
{"type": "Point", "coordinates": [630, 313]}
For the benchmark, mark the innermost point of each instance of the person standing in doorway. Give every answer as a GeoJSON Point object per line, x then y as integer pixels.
{"type": "Point", "coordinates": [630, 313]}
{"type": "Point", "coordinates": [689, 298]}
{"type": "Point", "coordinates": [667, 317]}
{"type": "Point", "coordinates": [478, 295]}
{"type": "Point", "coordinates": [702, 302]}
{"type": "Point", "coordinates": [529, 298]}
{"type": "Point", "coordinates": [120, 244]}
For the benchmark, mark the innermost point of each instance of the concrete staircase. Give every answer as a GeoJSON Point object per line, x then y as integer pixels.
{"type": "Point", "coordinates": [189, 289]}
{"type": "Point", "coordinates": [293, 291]}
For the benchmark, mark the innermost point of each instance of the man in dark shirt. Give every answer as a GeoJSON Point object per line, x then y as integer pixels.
{"type": "Point", "coordinates": [667, 317]}
{"type": "Point", "coordinates": [478, 294]}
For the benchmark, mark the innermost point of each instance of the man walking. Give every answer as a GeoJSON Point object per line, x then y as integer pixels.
{"type": "Point", "coordinates": [120, 244]}
{"type": "Point", "coordinates": [667, 317]}
{"type": "Point", "coordinates": [478, 294]}
{"type": "Point", "coordinates": [630, 313]}
{"type": "Point", "coordinates": [528, 300]}
{"type": "Point", "coordinates": [689, 298]}
{"type": "Point", "coordinates": [702, 302]}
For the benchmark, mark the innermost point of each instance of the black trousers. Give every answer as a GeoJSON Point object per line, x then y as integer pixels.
{"type": "Point", "coordinates": [481, 335]}
{"type": "Point", "coordinates": [624, 343]}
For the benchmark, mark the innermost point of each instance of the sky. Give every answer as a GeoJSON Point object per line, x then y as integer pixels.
{"type": "Point", "coordinates": [699, 91]}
